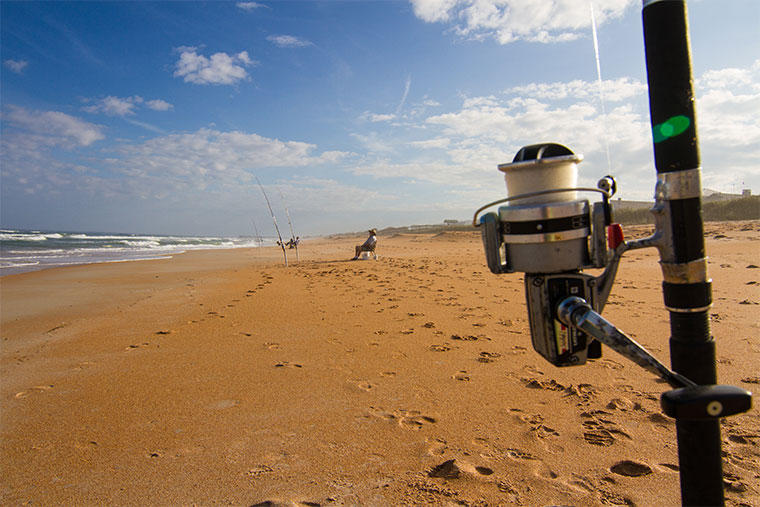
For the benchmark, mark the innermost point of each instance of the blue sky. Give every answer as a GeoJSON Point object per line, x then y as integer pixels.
{"type": "Point", "coordinates": [157, 117]}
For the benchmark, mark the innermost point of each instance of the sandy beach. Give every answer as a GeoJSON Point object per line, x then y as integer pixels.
{"type": "Point", "coordinates": [224, 377]}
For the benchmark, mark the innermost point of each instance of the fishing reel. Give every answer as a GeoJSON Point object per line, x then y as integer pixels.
{"type": "Point", "coordinates": [551, 234]}
{"type": "Point", "coordinates": [548, 232]}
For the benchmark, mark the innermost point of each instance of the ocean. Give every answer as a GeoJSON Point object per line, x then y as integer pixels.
{"type": "Point", "coordinates": [22, 251]}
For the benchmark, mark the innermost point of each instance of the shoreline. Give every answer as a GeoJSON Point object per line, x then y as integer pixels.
{"type": "Point", "coordinates": [23, 251]}
{"type": "Point", "coordinates": [221, 376]}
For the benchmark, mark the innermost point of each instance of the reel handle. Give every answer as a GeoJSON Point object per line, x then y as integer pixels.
{"type": "Point", "coordinates": [705, 402]}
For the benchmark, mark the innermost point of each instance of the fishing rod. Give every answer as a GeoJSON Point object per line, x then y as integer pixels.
{"type": "Point", "coordinates": [548, 232]}
{"type": "Point", "coordinates": [293, 240]}
{"type": "Point", "coordinates": [256, 230]}
{"type": "Point", "coordinates": [678, 215]}
{"type": "Point", "coordinates": [274, 219]}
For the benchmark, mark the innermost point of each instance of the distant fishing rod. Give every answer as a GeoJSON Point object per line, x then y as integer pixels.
{"type": "Point", "coordinates": [274, 219]}
{"type": "Point", "coordinates": [293, 241]}
{"type": "Point", "coordinates": [256, 230]}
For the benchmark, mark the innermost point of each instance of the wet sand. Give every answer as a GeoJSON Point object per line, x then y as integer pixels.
{"type": "Point", "coordinates": [226, 378]}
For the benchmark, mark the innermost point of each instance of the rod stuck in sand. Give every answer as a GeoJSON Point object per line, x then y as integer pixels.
{"type": "Point", "coordinates": [274, 220]}
{"type": "Point", "coordinates": [293, 240]}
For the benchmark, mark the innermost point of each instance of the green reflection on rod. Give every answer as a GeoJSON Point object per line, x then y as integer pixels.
{"type": "Point", "coordinates": [670, 128]}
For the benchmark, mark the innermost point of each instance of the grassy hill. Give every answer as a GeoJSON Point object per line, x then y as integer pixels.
{"type": "Point", "coordinates": [742, 208]}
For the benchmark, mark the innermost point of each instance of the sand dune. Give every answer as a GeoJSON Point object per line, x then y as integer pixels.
{"type": "Point", "coordinates": [226, 378]}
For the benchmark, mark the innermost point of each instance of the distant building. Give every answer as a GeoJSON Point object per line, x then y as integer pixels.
{"type": "Point", "coordinates": [450, 222]}
{"type": "Point", "coordinates": [747, 192]}
{"type": "Point", "coordinates": [709, 195]}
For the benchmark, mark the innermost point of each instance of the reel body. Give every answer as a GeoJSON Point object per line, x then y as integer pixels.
{"type": "Point", "coordinates": [551, 235]}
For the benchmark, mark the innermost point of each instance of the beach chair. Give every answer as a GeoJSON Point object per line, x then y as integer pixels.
{"type": "Point", "coordinates": [366, 254]}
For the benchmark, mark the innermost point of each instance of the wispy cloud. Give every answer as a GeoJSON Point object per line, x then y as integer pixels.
{"type": "Point", "coordinates": [288, 41]}
{"type": "Point", "coordinates": [511, 20]}
{"type": "Point", "coordinates": [220, 68]}
{"type": "Point", "coordinates": [437, 143]}
{"type": "Point", "coordinates": [53, 128]}
{"type": "Point", "coordinates": [16, 66]}
{"type": "Point", "coordinates": [115, 106]}
{"type": "Point", "coordinates": [376, 118]}
{"type": "Point", "coordinates": [614, 90]}
{"type": "Point", "coordinates": [729, 105]}
{"type": "Point", "coordinates": [407, 86]}
{"type": "Point", "coordinates": [124, 106]}
{"type": "Point", "coordinates": [158, 105]}
{"type": "Point", "coordinates": [250, 6]}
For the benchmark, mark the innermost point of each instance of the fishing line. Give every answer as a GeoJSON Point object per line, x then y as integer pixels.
{"type": "Point", "coordinates": [601, 86]}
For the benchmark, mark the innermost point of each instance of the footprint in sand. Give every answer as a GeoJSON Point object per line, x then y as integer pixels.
{"type": "Point", "coordinates": [362, 385]}
{"type": "Point", "coordinates": [223, 404]}
{"type": "Point", "coordinates": [630, 468]}
{"type": "Point", "coordinates": [440, 347]}
{"type": "Point", "coordinates": [612, 365]}
{"type": "Point", "coordinates": [258, 471]}
{"type": "Point", "coordinates": [136, 346]}
{"type": "Point", "coordinates": [488, 357]}
{"type": "Point", "coordinates": [464, 338]}
{"type": "Point", "coordinates": [32, 390]}
{"type": "Point", "coordinates": [550, 385]}
{"type": "Point", "coordinates": [462, 375]}
{"type": "Point", "coordinates": [415, 420]}
{"type": "Point", "coordinates": [599, 431]}
{"type": "Point", "coordinates": [454, 469]}
{"type": "Point", "coordinates": [287, 364]}
{"type": "Point", "coordinates": [436, 446]}
{"type": "Point", "coordinates": [517, 454]}
{"type": "Point", "coordinates": [408, 419]}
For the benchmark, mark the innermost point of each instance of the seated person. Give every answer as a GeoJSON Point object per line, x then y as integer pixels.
{"type": "Point", "coordinates": [367, 246]}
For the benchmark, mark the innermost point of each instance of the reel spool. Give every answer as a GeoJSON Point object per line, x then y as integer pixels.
{"type": "Point", "coordinates": [545, 228]}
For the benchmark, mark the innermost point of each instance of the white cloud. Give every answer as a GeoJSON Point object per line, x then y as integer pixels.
{"type": "Point", "coordinates": [158, 105]}
{"type": "Point", "coordinates": [124, 106]}
{"type": "Point", "coordinates": [288, 41]}
{"type": "Point", "coordinates": [433, 11]}
{"type": "Point", "coordinates": [615, 90]}
{"type": "Point", "coordinates": [374, 143]}
{"type": "Point", "coordinates": [375, 118]}
{"type": "Point", "coordinates": [728, 105]}
{"type": "Point", "coordinates": [439, 142]}
{"type": "Point", "coordinates": [53, 128]}
{"type": "Point", "coordinates": [466, 144]}
{"type": "Point", "coordinates": [16, 66]}
{"type": "Point", "coordinates": [250, 6]}
{"type": "Point", "coordinates": [27, 162]}
{"type": "Point", "coordinates": [511, 20]}
{"type": "Point", "coordinates": [175, 165]}
{"type": "Point", "coordinates": [220, 68]}
{"type": "Point", "coordinates": [209, 156]}
{"type": "Point", "coordinates": [115, 106]}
